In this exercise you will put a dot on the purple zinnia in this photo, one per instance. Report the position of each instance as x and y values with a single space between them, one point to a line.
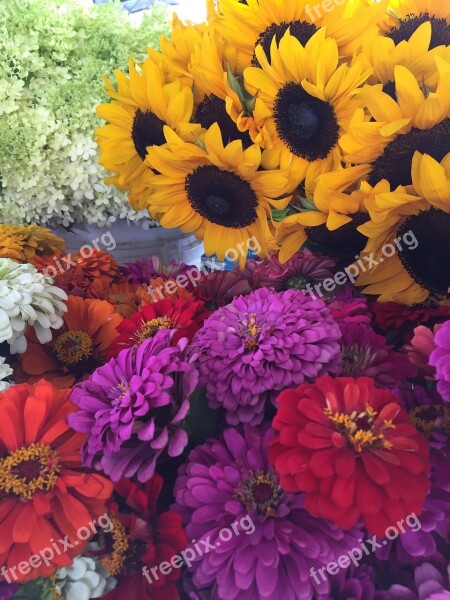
440 358
146 269
132 408
430 584
359 584
230 482
261 344
7 590
296 273
366 354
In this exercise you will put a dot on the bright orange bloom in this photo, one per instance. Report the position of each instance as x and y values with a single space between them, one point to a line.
125 297
77 349
46 493
77 273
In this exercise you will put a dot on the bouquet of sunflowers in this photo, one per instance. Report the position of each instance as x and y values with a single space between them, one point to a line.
280 429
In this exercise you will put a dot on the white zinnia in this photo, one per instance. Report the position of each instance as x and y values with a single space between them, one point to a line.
5 371
86 578
28 297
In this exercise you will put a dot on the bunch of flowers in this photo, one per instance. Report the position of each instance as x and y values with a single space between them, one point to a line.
301 423
279 430
287 123
52 58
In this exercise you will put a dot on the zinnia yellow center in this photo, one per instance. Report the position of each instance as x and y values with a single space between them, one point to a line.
113 563
358 429
28 470
430 419
73 347
250 332
150 328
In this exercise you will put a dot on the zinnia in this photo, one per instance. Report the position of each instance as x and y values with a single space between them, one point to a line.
276 544
440 358
45 492
261 343
183 316
143 538
133 407
78 347
350 448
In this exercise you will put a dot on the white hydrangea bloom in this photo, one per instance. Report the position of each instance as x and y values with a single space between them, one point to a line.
5 371
28 297
86 578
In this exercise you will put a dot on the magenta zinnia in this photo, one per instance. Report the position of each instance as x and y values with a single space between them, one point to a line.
263 343
133 408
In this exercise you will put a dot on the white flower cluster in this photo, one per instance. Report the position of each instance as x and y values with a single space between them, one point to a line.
28 297
5 371
86 578
52 59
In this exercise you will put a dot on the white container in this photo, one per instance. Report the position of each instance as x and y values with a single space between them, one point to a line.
128 242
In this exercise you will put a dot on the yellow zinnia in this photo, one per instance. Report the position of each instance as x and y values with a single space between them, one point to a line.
142 104
22 242
218 192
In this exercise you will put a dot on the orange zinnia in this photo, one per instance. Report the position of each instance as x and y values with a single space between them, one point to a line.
46 495
78 273
77 349
124 296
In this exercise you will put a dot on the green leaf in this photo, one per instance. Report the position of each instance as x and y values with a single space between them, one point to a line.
278 214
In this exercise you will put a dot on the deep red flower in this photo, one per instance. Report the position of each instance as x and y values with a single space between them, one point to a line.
390 315
350 448
186 316
220 287
142 538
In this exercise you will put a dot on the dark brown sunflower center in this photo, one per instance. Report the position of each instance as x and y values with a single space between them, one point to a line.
389 89
73 347
221 197
429 263
307 125
346 239
394 164
212 110
260 492
147 131
440 29
301 30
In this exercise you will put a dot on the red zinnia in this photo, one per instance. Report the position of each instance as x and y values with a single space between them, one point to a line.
350 448
389 315
186 316
45 491
143 538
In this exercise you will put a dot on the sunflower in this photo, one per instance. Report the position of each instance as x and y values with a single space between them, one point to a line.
384 54
217 192
212 63
143 103
416 221
404 17
256 22
333 222
305 101
78 347
386 139
22 242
